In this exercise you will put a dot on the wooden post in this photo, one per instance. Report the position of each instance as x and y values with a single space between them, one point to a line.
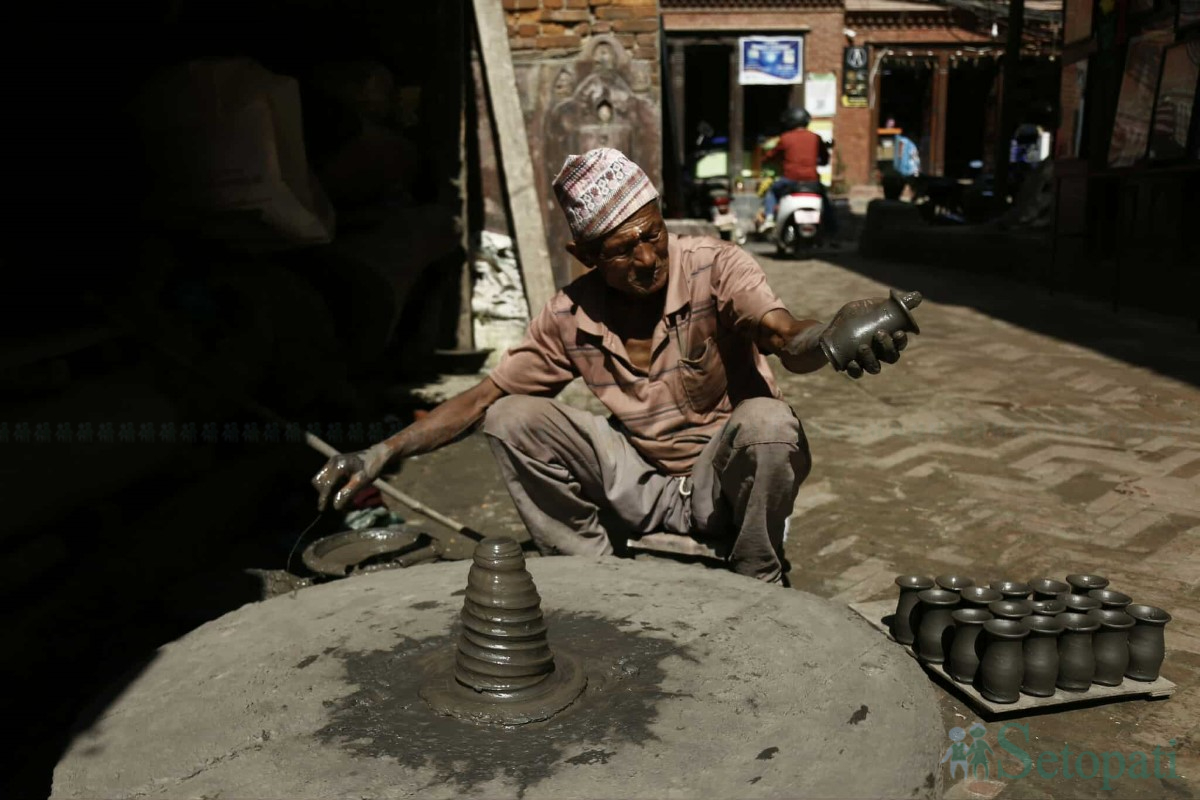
737 115
678 61
797 98
1012 63
464 336
524 203
876 83
941 100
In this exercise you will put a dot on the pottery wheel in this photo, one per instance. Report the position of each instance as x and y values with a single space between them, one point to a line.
700 683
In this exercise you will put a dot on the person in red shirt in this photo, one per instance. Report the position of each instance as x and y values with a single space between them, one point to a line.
801 151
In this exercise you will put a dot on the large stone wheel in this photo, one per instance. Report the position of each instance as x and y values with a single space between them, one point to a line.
700 684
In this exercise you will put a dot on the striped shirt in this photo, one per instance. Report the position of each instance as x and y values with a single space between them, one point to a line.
703 359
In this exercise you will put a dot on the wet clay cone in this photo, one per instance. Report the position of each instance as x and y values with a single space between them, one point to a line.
503 646
504 671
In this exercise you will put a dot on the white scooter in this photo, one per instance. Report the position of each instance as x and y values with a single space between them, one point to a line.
798 220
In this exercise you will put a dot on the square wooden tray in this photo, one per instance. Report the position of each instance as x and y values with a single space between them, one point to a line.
878 612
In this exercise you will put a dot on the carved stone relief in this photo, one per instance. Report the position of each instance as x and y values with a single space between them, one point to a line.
601 98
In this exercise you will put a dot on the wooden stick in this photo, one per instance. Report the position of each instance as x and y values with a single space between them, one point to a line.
524 203
325 449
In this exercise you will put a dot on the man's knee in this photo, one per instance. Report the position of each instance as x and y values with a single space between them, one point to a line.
768 425
513 418
764 420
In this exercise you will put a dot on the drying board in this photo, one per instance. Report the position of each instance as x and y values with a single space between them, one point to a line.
877 612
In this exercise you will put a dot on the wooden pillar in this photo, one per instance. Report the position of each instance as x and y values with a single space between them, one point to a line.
523 201
797 98
992 123
874 93
940 106
737 121
1012 63
678 69
465 330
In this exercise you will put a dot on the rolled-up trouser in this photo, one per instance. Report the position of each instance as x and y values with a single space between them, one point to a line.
580 485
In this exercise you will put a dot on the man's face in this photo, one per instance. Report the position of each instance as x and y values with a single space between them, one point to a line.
634 256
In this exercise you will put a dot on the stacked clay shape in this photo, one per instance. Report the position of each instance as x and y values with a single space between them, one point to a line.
504 671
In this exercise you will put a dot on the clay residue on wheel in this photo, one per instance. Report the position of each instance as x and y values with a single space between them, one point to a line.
342 553
385 716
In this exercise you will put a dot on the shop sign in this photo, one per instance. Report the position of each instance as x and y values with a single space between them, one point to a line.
855 77
771 60
820 94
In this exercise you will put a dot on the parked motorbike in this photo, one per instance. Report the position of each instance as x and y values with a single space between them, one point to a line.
966 200
798 220
725 217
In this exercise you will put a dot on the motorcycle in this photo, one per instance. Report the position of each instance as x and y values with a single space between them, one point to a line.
798 220
725 218
708 188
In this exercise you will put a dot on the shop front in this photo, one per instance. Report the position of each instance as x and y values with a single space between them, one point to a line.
1127 166
868 71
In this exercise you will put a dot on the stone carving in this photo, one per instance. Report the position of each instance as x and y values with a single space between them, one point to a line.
602 99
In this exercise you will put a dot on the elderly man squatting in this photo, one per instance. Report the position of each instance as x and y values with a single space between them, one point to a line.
671 334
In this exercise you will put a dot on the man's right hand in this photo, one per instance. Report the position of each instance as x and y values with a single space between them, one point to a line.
453 418
356 470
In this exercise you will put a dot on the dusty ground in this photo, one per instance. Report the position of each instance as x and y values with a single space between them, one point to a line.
1022 435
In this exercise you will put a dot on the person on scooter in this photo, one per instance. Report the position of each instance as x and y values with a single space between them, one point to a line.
802 151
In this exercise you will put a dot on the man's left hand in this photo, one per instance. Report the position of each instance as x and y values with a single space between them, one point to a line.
862 336
883 347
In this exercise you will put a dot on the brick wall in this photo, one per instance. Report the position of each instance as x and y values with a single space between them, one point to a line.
563 25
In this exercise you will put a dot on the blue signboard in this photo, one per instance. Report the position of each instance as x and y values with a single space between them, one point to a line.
772 60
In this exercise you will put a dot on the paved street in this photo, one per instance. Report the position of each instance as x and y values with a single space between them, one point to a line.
1022 435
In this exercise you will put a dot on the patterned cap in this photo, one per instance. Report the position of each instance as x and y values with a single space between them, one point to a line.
599 190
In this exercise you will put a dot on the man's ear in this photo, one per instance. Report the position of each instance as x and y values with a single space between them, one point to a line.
581 254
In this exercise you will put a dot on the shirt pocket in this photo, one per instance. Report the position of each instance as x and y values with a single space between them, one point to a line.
703 378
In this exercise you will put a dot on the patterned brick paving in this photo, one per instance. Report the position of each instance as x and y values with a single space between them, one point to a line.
996 451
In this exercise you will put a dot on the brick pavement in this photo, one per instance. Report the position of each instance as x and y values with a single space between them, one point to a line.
995 450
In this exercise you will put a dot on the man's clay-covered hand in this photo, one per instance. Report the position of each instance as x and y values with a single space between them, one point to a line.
357 470
867 333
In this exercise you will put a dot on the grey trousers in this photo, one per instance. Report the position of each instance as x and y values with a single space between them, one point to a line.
579 485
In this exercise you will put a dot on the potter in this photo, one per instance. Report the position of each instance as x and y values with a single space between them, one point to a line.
672 335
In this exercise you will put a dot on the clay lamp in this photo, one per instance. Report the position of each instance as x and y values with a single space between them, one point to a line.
1012 590
1049 589
1082 584
1080 603
1048 608
1115 601
954 583
1010 609
979 596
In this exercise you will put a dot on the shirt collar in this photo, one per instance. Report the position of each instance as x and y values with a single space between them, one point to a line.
679 284
589 303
